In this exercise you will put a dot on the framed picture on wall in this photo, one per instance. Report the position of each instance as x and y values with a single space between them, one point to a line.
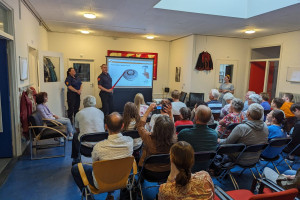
177 74
23 62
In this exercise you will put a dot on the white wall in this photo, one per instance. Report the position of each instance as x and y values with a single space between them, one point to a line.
290 48
28 32
184 52
95 47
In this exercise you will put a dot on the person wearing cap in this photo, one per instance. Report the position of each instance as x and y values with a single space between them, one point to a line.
224 88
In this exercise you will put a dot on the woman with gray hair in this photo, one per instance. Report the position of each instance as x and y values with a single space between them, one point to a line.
225 110
235 116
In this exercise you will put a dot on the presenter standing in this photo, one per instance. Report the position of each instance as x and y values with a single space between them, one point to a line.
74 85
105 85
224 88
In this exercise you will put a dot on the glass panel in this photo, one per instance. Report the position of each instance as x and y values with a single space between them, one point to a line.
272 78
51 69
82 71
3 20
225 69
265 53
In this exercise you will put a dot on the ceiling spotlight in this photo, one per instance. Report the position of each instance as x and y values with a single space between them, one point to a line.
85 32
250 31
150 37
89 15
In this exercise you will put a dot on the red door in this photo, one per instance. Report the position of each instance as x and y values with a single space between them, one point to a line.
257 76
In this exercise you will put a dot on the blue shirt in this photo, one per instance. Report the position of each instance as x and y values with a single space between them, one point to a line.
266 105
215 106
75 82
105 81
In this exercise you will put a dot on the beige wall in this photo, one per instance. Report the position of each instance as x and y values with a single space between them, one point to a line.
184 52
290 48
95 47
27 32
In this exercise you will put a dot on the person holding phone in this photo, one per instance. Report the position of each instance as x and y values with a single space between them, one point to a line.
165 109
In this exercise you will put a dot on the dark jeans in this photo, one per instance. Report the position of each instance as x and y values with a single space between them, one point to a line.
107 102
77 178
73 100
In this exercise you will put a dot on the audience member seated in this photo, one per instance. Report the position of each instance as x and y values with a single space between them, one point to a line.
277 103
254 131
225 110
116 146
185 115
181 183
275 129
254 98
159 141
88 120
44 111
166 109
176 104
265 98
290 117
247 99
214 104
295 108
211 121
131 118
201 137
236 116
140 103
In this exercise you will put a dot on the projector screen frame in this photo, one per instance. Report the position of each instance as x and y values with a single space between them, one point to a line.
107 57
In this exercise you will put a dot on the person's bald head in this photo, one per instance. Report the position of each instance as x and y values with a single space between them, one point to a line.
114 122
203 114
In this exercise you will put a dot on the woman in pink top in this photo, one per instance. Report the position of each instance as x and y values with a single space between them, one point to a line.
140 104
185 115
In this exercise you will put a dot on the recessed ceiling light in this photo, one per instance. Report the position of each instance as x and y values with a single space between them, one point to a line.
89 15
85 32
150 37
250 31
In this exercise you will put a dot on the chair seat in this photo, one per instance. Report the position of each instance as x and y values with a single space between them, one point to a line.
49 133
270 159
240 194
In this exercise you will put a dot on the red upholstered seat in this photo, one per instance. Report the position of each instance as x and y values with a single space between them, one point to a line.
283 195
240 194
267 191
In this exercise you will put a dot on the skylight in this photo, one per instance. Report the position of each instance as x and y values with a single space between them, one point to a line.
229 8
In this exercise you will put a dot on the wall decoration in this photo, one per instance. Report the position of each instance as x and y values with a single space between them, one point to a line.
177 74
293 74
137 55
23 62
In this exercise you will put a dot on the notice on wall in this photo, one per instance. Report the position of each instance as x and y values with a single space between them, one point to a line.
1 125
293 74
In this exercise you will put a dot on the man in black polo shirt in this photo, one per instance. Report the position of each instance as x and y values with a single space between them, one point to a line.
105 85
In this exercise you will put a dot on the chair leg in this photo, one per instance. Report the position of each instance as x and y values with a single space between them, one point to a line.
288 164
275 167
258 172
252 173
235 184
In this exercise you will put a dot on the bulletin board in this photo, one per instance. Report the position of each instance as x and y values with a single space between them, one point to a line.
293 74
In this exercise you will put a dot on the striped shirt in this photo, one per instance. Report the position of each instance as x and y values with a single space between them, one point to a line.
215 106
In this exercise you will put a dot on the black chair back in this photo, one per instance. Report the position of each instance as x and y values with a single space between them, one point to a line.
230 148
157 159
90 137
203 160
275 147
133 134
255 148
251 149
180 127
279 142
231 126
212 126
194 98
182 96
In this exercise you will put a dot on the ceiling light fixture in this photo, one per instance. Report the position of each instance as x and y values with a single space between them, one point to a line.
150 37
85 32
250 31
89 15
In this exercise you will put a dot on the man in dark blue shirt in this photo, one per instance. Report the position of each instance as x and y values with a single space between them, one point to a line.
105 85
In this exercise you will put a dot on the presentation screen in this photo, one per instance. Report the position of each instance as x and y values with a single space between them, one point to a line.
135 72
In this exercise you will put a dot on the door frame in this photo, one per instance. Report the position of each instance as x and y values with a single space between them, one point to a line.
235 64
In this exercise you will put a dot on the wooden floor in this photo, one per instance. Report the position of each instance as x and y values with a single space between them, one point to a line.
49 179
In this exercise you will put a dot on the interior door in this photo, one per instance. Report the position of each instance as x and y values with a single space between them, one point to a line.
51 80
85 70
257 76
5 119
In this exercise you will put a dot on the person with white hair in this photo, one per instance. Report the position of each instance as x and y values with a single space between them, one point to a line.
214 104
254 131
247 99
225 110
88 120
254 98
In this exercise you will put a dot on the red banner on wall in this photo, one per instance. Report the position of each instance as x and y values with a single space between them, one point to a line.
136 55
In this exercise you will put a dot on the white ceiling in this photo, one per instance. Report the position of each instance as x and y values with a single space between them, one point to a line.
137 18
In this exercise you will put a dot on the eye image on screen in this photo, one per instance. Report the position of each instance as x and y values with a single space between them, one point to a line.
134 72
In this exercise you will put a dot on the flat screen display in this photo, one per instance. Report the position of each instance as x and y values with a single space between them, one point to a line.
135 72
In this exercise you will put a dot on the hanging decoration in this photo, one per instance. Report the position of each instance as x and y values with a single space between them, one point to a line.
204 61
